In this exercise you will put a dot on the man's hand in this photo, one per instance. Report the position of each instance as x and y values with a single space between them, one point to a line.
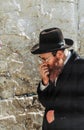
50 116
44 72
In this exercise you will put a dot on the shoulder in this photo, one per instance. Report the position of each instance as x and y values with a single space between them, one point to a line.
79 60
79 64
76 57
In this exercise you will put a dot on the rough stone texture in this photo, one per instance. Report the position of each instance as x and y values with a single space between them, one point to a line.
81 27
20 24
24 113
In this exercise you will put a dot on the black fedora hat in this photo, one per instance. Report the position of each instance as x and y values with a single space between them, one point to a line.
51 40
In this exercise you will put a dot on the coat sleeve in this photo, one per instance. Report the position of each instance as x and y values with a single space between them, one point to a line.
46 96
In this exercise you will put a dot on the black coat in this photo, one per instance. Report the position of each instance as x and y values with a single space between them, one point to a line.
66 98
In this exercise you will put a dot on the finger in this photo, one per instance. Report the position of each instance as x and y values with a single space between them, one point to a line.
44 68
45 72
43 64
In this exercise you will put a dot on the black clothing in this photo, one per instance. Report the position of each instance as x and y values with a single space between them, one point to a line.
66 98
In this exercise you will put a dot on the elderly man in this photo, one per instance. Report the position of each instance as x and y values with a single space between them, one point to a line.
61 90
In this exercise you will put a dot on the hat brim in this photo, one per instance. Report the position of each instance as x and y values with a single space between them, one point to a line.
36 50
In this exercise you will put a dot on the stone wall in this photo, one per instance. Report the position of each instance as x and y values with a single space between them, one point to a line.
81 25
20 24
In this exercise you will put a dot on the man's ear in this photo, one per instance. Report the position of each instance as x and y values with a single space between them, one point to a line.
60 54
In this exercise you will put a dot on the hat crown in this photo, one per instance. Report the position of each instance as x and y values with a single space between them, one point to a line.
50 38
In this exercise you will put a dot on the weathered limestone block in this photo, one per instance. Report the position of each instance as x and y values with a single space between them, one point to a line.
21 114
30 121
20 64
11 122
81 27
15 84
34 120
20 105
14 75
6 88
7 122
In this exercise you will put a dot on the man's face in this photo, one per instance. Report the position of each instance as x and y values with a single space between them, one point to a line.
53 62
